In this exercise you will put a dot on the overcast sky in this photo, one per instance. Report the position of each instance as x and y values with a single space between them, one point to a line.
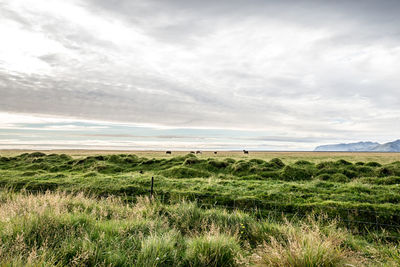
182 74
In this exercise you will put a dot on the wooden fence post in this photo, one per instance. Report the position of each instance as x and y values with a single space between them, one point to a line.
152 186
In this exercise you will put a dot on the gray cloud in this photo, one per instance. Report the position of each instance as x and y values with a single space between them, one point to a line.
316 68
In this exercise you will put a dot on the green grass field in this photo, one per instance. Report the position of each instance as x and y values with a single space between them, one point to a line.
356 194
287 157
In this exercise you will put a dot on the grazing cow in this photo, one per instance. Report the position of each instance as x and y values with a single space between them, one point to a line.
141 172
215 152
245 151
192 152
198 152
168 152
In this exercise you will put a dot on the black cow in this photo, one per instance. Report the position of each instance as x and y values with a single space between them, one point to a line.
168 152
245 151
215 152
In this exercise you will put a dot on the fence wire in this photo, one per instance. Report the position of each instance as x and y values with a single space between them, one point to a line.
277 209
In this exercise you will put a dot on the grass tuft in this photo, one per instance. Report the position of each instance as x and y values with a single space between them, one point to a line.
212 250
308 245
159 250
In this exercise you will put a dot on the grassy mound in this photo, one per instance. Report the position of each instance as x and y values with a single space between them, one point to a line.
290 173
184 172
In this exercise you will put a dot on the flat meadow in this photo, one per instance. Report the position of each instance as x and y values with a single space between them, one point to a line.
94 208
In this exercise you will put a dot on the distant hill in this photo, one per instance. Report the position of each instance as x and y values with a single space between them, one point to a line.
362 147
389 147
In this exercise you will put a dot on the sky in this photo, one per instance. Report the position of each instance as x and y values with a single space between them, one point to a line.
186 74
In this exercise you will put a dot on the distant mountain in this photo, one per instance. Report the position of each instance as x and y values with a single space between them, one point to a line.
360 146
389 147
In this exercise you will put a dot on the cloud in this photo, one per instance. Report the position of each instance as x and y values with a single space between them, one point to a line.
286 68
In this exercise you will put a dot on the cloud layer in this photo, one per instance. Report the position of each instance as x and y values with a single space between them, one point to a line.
287 69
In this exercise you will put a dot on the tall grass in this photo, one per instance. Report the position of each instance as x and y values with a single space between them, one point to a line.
159 250
213 249
309 245
63 229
